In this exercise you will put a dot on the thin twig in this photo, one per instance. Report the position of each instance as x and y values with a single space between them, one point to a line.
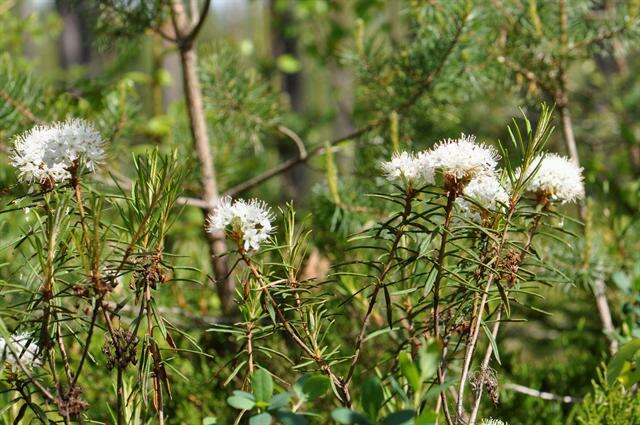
541 394
423 86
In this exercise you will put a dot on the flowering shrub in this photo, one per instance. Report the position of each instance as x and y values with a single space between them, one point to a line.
443 265
237 255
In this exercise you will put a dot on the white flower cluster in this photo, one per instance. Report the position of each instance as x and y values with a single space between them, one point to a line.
249 220
492 421
463 158
487 191
460 159
408 167
24 347
556 177
48 152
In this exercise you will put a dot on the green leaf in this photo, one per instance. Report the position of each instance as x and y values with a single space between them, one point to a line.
288 64
403 417
241 403
427 417
622 363
505 299
410 371
261 419
279 401
290 418
209 420
389 306
429 359
262 385
372 397
342 415
622 281
492 341
315 386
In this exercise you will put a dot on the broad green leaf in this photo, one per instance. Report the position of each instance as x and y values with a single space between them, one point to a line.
279 401
403 417
261 419
342 415
622 362
427 417
209 420
429 359
372 397
315 386
241 403
290 418
262 385
410 371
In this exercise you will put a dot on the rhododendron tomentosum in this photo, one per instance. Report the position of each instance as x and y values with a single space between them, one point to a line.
555 177
49 153
410 168
248 221
487 191
21 347
463 158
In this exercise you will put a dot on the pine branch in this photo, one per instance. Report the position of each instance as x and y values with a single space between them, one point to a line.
423 87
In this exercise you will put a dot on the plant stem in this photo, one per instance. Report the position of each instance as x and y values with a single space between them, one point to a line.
120 397
485 363
119 382
409 196
496 326
325 367
477 320
451 197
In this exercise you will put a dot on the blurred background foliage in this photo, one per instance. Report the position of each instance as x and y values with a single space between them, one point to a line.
409 73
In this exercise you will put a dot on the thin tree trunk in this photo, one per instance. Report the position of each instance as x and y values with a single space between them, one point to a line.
283 43
74 44
562 99
599 286
193 96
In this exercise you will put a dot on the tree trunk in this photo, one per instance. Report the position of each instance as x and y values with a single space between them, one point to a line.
193 97
74 44
283 43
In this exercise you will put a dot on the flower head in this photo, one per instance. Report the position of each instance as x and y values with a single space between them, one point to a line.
463 158
556 177
492 421
22 346
409 167
50 152
248 220
487 191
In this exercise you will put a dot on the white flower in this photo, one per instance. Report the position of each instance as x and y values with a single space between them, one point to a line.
409 167
556 177
463 158
491 421
487 191
24 347
222 214
48 152
250 220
